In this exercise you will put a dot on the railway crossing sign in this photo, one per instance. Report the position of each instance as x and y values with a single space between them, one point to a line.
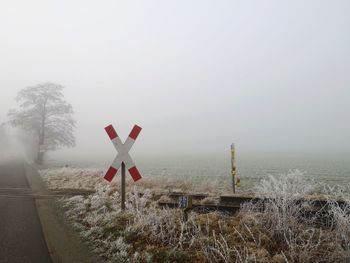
123 155
123 158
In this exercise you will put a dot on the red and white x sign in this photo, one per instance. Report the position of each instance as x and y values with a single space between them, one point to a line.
123 153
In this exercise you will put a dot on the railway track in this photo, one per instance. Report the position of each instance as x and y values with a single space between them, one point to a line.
232 203
27 192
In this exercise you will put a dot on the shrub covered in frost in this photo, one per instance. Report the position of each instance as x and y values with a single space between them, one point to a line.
285 218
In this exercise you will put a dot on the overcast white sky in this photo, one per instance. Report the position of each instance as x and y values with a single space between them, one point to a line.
196 75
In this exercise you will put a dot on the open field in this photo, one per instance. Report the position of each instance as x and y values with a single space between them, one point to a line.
275 233
331 169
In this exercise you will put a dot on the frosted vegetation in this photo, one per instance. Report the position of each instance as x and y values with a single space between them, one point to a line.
91 178
276 230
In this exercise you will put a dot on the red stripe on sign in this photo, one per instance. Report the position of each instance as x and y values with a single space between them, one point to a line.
110 174
135 132
111 132
135 174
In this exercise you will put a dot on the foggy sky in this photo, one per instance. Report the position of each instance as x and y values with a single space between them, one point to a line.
271 76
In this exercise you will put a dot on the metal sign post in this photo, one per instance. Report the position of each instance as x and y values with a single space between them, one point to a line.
123 158
123 186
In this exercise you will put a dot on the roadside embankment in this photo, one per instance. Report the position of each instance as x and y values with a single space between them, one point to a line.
63 242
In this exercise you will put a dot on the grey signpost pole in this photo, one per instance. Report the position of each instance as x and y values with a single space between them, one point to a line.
233 167
123 186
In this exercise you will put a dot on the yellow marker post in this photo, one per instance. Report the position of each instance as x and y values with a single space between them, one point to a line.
233 167
238 182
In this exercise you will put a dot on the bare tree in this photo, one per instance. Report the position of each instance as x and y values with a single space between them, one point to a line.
46 115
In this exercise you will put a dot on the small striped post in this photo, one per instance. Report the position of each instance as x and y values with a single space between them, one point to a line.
233 167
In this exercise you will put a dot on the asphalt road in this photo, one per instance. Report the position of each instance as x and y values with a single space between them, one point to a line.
21 236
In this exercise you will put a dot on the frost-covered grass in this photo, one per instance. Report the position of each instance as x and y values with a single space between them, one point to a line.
292 229
278 230
90 179
71 178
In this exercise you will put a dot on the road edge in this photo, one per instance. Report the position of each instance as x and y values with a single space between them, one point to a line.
63 242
